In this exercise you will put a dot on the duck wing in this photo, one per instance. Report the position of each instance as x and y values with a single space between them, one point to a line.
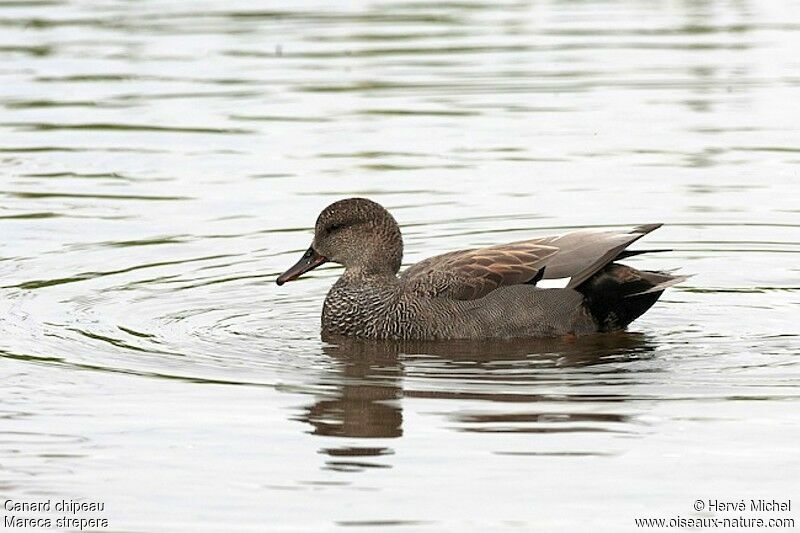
582 253
471 274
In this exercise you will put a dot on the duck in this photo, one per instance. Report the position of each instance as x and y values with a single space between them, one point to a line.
484 293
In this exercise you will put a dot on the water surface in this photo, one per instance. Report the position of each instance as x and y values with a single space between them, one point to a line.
162 162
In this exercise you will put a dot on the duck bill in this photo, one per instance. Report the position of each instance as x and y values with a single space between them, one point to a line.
310 260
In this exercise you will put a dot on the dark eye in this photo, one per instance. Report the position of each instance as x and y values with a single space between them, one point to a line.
335 227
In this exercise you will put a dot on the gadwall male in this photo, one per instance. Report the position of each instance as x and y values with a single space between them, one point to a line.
480 293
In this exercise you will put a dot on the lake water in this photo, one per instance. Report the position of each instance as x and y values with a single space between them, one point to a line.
162 162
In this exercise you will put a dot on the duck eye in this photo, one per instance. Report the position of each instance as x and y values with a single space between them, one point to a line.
335 227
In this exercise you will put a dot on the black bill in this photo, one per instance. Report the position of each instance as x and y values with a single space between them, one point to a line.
309 261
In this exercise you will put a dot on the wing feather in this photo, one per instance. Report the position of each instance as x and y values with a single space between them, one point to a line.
471 274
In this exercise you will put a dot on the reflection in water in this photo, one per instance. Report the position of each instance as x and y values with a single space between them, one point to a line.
365 399
567 351
364 387
363 402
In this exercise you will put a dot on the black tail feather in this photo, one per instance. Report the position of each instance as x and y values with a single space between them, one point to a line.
618 294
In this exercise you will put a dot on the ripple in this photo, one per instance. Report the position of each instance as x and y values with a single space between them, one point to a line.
42 283
44 126
137 197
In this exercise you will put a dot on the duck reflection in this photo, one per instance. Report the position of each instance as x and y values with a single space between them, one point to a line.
366 382
365 394
568 351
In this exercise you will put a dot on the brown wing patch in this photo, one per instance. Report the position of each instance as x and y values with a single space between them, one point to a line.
471 274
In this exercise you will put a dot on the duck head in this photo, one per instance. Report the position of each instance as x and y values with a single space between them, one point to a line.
357 233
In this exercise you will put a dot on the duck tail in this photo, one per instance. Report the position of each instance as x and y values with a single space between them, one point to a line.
617 295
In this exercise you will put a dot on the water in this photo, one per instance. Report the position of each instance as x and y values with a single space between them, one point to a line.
162 162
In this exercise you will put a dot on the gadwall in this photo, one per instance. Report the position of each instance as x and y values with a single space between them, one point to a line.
480 293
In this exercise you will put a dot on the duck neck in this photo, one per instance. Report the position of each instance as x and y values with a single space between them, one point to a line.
360 303
379 263
358 274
